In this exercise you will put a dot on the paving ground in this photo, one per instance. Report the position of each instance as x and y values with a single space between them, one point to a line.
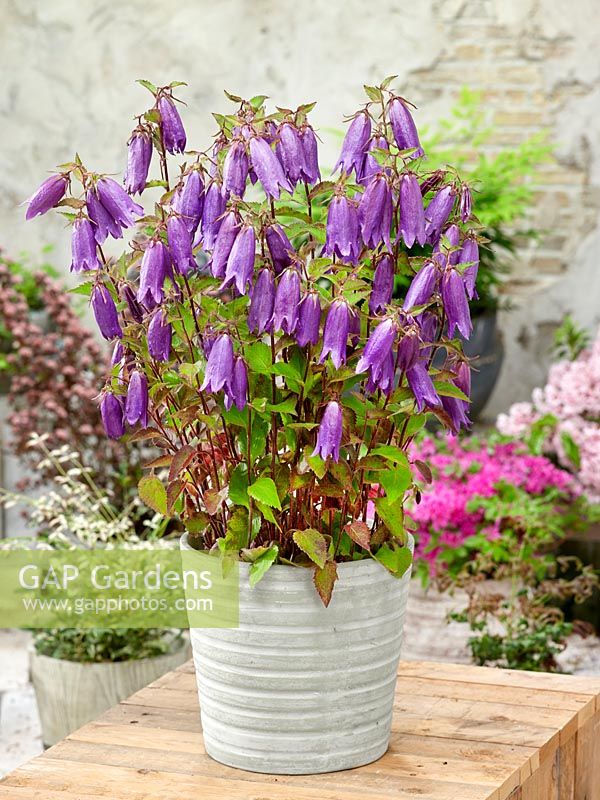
426 637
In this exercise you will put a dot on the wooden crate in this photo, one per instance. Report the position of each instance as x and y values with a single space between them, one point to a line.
459 733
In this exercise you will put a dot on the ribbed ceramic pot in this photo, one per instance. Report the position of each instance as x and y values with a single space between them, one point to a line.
299 688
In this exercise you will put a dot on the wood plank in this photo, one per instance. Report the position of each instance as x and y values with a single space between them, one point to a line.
587 761
566 769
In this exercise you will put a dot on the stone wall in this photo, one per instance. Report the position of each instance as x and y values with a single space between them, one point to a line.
69 68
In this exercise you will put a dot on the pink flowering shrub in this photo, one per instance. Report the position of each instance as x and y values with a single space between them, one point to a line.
563 418
463 471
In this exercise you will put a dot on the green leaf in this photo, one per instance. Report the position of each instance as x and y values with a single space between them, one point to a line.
147 85
373 93
313 543
324 580
262 564
392 515
395 559
257 101
316 463
236 537
360 533
84 289
447 389
238 486
258 356
265 491
395 481
571 449
153 494
391 453
266 512
286 407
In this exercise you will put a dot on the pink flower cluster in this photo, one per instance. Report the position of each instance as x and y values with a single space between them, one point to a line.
572 396
462 470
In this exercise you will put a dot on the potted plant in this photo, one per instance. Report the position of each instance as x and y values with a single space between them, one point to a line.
284 386
78 673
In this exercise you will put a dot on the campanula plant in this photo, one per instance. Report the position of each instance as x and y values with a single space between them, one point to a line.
257 341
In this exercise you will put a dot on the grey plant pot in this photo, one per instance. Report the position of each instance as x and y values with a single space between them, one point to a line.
299 688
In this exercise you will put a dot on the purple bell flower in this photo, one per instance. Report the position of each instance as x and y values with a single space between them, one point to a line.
441 253
287 300
235 169
189 200
465 203
470 255
422 287
463 378
370 166
47 196
310 167
291 152
355 144
180 245
111 412
171 126
83 246
153 272
378 347
383 379
105 312
139 156
456 305
117 202
280 247
136 403
342 230
117 354
412 213
268 168
219 366
404 128
335 333
212 213
236 391
101 219
329 435
228 232
132 304
309 320
383 285
422 386
375 213
240 263
437 213
408 350
457 410
428 324
260 312
160 335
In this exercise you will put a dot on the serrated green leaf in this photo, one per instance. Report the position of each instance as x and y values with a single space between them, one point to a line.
447 389
313 543
265 491
153 494
324 580
258 357
147 85
395 559
373 93
238 486
392 515
262 564
395 481
84 289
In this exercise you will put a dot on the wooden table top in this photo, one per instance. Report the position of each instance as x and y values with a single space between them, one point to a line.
459 732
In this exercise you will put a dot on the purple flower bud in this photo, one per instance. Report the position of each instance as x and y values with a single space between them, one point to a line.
268 168
219 367
422 287
117 354
375 213
47 196
432 181
189 199
171 126
132 304
139 156
105 312
335 333
437 213
212 214
355 144
309 320
261 305
378 347
235 169
404 128
310 168
329 435
153 272
136 403
224 242
422 386
180 245
287 300
83 246
465 203
111 412
236 391
292 152
102 220
342 230
160 334
117 202
455 302
370 166
240 263
470 255
280 247
408 350
463 378
383 285
412 213
457 410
